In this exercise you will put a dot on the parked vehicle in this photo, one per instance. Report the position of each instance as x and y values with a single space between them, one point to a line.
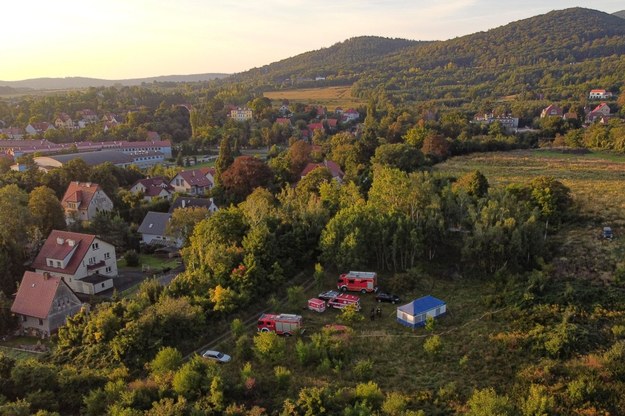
607 233
387 297
363 282
343 299
317 305
282 324
220 357
329 294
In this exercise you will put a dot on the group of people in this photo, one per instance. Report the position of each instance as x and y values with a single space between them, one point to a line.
376 312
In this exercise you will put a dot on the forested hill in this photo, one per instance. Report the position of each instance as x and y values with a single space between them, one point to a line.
570 35
347 58
557 55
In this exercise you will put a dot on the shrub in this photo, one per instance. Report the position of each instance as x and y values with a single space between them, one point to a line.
269 346
350 314
433 345
369 392
364 368
618 331
132 258
395 404
283 376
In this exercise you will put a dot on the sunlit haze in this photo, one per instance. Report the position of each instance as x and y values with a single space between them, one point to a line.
120 39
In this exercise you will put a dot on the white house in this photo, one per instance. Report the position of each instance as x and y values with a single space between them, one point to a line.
85 262
153 230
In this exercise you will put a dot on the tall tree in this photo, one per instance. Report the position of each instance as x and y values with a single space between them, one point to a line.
243 176
45 210
225 158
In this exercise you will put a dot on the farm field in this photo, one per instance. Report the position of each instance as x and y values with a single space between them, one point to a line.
331 97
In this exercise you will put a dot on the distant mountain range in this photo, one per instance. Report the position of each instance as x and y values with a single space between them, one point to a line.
8 87
620 14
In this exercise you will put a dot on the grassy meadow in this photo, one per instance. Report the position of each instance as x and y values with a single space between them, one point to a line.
330 97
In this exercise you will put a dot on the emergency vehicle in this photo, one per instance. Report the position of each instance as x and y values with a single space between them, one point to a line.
282 324
317 305
343 300
363 282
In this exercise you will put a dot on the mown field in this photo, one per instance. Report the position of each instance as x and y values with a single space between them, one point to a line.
330 97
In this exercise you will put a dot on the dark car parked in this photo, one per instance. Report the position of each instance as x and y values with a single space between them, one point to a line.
387 297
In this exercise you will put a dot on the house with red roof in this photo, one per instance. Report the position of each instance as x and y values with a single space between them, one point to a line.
552 111
332 123
38 128
600 112
194 182
64 121
316 126
88 116
333 167
86 263
284 120
350 115
43 303
83 200
599 95
157 187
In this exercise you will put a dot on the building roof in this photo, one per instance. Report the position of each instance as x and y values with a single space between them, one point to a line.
333 167
82 192
186 202
93 158
154 186
35 294
154 223
196 177
421 305
599 107
57 243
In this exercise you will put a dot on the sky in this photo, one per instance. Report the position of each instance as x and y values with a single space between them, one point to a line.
121 39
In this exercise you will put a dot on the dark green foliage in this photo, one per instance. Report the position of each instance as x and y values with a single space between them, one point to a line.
132 258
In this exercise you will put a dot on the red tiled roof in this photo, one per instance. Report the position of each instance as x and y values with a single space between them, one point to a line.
332 122
315 126
195 177
333 167
53 248
598 91
35 295
599 107
82 192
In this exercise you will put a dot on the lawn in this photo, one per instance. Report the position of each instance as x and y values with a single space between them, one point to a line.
331 97
150 262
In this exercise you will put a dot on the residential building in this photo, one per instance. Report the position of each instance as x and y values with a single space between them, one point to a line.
86 263
194 182
241 114
43 303
153 188
64 121
350 115
333 167
38 128
599 95
507 122
141 159
600 112
551 111
153 230
13 133
83 201
188 202
88 116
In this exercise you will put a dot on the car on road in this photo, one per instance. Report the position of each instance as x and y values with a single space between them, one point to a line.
217 356
387 297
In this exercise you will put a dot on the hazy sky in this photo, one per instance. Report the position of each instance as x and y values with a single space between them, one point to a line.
116 39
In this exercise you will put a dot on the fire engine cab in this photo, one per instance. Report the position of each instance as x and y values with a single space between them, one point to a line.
283 324
362 282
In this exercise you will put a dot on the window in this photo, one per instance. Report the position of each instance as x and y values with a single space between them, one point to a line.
107 256
102 285
95 246
91 260
50 263
58 264
108 270
24 318
41 322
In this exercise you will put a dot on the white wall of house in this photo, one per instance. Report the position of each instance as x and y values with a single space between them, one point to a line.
99 202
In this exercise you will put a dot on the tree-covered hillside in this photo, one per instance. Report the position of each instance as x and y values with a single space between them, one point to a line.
345 59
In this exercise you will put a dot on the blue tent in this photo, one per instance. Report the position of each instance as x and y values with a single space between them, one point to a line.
414 314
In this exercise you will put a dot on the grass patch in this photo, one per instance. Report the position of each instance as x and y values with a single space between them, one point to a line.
16 354
153 262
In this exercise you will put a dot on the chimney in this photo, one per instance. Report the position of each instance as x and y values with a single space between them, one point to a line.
46 275
60 240
71 243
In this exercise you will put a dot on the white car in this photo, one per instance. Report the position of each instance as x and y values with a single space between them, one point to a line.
220 357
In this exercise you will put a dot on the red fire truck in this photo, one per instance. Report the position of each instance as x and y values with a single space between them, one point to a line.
283 324
362 282
343 300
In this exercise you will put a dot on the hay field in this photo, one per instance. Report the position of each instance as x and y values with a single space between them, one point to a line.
331 97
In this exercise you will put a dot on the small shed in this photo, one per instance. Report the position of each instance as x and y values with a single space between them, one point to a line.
414 314
318 305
